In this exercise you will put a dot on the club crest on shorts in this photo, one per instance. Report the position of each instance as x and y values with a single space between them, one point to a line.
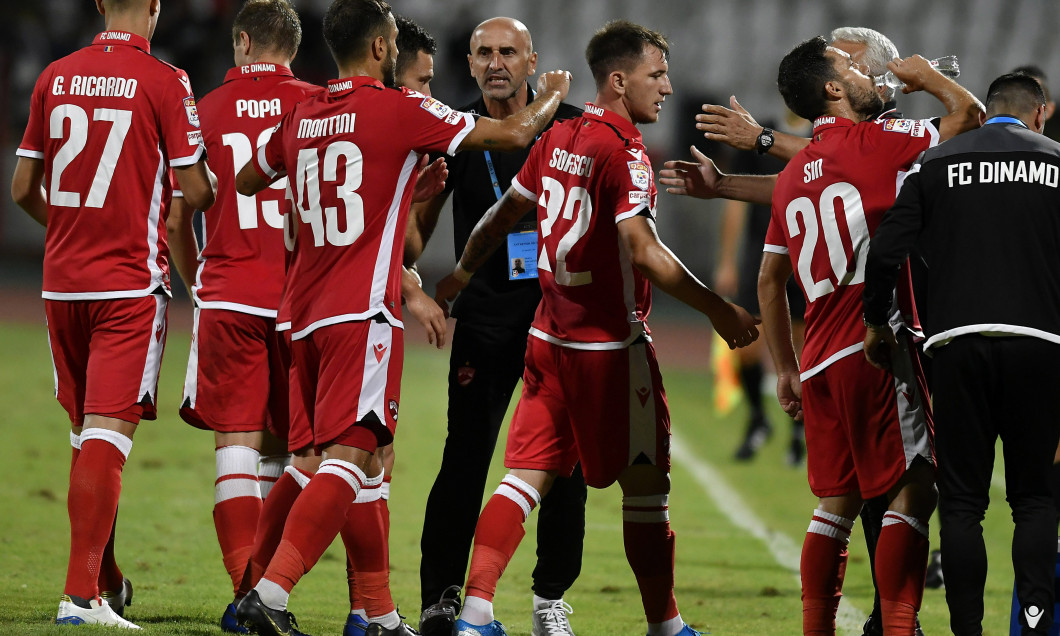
393 406
640 174
464 375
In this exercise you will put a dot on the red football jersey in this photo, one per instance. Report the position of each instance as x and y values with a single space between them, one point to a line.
351 157
241 267
586 175
106 121
827 203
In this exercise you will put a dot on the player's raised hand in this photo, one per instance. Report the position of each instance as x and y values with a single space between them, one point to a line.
735 325
731 126
428 314
697 178
789 394
430 180
913 71
554 81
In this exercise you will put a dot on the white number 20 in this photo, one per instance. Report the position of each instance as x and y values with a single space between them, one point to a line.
575 205
854 211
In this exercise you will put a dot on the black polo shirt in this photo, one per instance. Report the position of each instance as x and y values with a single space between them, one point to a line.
490 297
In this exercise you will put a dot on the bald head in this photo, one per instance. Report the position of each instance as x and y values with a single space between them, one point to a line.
501 58
510 27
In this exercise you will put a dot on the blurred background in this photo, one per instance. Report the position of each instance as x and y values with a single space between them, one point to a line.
718 48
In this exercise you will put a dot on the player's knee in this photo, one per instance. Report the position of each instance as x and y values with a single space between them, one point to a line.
643 480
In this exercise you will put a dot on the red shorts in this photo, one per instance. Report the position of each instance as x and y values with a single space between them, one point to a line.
864 426
349 373
236 380
299 433
106 355
606 409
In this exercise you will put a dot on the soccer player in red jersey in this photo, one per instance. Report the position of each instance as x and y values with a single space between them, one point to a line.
352 156
105 124
236 382
592 390
868 431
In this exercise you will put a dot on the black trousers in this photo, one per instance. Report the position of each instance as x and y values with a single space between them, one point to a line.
485 365
986 387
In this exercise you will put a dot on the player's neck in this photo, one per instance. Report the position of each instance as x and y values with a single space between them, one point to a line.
501 108
361 69
139 24
615 104
270 58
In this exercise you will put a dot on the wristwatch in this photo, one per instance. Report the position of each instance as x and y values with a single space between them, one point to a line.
764 141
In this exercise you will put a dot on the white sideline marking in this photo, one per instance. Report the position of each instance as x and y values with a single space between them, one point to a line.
785 551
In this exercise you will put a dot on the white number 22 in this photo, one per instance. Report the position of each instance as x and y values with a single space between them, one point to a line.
558 203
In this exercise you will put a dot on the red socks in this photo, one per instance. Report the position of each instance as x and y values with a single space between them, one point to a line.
498 533
824 564
649 544
315 519
274 512
901 563
237 505
111 578
368 555
95 485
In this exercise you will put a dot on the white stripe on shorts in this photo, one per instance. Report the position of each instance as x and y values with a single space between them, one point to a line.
642 426
373 382
149 381
191 376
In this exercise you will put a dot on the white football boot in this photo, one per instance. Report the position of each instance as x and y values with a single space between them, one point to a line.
97 613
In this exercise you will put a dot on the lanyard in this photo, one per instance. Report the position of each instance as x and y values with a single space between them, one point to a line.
493 175
489 161
1004 119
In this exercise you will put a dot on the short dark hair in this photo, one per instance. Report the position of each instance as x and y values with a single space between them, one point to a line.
1014 93
802 76
350 25
1037 73
411 39
273 24
619 45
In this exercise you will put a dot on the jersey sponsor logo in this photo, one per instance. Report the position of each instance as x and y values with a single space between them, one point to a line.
918 128
640 174
256 108
194 137
637 154
416 94
464 375
435 107
904 126
636 197
192 111
592 109
577 165
186 83
452 118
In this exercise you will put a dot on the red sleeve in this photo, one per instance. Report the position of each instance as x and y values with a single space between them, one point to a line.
434 126
268 159
776 237
629 176
180 122
32 145
903 139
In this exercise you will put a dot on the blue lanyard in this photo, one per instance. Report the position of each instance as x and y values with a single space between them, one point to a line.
1004 119
493 175
489 162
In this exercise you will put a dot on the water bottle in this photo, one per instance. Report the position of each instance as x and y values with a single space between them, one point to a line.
947 65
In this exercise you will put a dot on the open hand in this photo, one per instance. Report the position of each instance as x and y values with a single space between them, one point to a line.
430 179
731 126
698 179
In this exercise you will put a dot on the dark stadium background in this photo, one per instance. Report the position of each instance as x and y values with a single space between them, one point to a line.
720 47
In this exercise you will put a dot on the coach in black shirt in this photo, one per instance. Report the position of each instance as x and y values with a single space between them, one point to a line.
987 206
493 316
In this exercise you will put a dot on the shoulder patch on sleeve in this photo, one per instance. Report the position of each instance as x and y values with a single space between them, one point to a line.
435 107
191 110
905 126
640 174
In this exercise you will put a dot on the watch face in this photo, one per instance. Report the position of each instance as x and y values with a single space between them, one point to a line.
765 140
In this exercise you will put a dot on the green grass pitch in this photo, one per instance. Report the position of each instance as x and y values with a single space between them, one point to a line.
738 525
